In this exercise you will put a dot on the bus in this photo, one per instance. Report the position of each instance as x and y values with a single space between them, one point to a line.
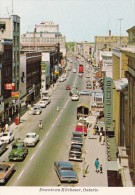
81 68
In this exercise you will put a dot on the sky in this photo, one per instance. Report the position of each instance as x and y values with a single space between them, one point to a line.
79 20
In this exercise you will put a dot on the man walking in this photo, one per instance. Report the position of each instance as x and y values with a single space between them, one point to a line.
97 165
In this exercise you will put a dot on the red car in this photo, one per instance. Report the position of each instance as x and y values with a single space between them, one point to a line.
67 87
81 128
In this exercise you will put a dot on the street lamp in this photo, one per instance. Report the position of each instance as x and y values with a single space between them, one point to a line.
83 144
120 19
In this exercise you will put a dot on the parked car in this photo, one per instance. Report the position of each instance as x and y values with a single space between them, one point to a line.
65 171
75 152
6 170
46 93
75 97
7 137
82 129
77 140
85 92
3 147
31 139
46 99
77 134
43 104
61 79
37 110
19 151
67 87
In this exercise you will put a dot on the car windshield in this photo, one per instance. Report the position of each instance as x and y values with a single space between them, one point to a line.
17 146
30 136
66 169
5 134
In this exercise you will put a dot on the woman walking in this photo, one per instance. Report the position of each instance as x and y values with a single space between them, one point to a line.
97 165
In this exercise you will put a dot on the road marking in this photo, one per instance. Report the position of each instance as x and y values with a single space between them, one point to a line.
20 175
47 133
32 156
40 144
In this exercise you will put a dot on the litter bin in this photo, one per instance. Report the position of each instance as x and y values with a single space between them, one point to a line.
16 120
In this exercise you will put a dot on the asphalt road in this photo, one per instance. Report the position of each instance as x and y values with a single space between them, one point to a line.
37 169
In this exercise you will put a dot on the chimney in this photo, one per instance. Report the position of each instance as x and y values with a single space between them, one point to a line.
109 33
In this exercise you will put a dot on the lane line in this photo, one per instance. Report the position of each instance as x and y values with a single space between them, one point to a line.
20 175
32 156
40 144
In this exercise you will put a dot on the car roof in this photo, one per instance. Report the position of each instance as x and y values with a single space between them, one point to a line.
31 133
77 133
76 146
64 164
37 106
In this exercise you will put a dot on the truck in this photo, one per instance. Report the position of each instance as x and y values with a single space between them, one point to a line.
82 110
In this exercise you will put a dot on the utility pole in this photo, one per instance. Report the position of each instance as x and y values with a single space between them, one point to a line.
120 19
12 6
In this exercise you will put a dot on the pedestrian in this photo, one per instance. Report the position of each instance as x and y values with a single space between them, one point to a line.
6 127
97 165
101 169
100 136
103 138
97 130
40 125
0 128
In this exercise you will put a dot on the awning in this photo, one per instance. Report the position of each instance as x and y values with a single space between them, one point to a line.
112 166
121 84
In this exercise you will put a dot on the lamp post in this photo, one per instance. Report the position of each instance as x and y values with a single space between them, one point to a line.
120 19
83 145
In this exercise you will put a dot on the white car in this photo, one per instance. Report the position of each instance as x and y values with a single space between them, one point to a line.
37 110
43 104
61 79
74 97
46 99
7 137
74 70
31 139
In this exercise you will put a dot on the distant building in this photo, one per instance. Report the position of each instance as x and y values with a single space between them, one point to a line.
85 49
44 36
107 43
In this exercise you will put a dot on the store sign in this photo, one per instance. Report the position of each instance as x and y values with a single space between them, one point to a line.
15 94
9 86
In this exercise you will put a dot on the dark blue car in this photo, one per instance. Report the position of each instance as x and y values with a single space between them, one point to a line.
65 171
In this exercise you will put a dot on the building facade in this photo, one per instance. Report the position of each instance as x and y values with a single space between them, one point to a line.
6 49
107 43
130 131
10 29
30 71
86 49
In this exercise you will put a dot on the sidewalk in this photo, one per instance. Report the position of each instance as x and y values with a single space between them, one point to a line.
94 150
26 115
